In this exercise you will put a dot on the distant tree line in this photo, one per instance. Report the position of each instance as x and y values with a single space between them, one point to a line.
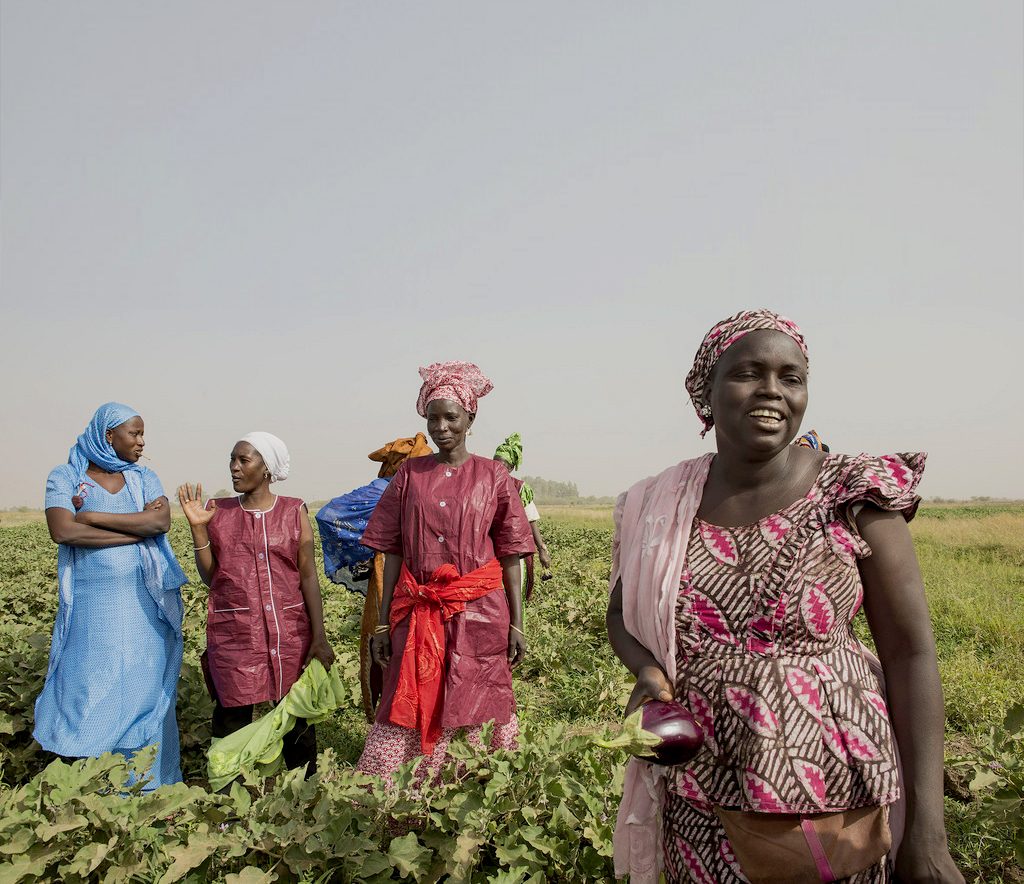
564 493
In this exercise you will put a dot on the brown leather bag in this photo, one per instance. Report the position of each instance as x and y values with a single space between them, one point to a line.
786 848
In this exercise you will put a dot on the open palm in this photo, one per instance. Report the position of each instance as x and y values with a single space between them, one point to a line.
191 500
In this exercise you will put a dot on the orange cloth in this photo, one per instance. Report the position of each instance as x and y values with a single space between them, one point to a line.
391 456
371 677
419 696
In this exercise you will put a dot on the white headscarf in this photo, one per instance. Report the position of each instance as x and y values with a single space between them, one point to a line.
274 453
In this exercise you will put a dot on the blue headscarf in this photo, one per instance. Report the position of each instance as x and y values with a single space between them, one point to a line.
160 568
93 446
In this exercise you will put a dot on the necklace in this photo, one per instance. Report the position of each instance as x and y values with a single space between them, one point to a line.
257 509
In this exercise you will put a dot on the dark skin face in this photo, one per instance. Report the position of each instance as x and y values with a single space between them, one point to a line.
759 394
248 471
447 425
128 439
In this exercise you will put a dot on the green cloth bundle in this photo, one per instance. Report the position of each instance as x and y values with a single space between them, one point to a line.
511 451
315 695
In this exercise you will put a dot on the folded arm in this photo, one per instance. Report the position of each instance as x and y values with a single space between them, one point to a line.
155 519
67 529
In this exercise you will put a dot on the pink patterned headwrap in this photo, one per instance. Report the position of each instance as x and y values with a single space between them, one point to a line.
462 382
721 337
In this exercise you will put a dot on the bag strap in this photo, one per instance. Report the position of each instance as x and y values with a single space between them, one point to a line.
817 851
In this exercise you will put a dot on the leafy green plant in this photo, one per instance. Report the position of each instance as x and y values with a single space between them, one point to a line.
538 814
998 780
544 812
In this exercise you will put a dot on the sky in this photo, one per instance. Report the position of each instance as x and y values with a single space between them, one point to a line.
253 215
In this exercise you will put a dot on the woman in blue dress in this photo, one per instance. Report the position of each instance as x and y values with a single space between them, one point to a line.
115 657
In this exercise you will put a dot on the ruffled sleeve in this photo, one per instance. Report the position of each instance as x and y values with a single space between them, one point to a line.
888 483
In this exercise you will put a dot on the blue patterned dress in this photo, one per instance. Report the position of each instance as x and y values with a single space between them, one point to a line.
115 657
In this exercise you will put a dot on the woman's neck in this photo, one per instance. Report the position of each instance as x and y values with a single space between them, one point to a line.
260 499
741 472
455 458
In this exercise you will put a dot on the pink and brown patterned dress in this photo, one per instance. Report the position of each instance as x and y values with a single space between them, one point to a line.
768 663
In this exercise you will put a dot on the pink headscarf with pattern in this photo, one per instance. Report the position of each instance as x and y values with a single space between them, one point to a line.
721 337
462 382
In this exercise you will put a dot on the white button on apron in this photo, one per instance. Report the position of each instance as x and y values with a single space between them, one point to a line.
440 538
442 503
257 515
273 652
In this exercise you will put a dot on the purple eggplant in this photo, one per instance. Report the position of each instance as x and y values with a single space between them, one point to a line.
681 736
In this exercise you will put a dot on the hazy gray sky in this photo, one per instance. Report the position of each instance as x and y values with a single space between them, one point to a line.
251 215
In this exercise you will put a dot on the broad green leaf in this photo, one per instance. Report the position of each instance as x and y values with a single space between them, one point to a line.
251 875
631 737
983 779
1013 724
189 856
408 856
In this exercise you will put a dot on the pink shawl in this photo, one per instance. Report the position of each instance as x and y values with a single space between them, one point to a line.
652 528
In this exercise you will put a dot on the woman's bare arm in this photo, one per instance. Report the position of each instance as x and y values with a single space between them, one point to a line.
155 519
380 643
191 500
897 612
310 584
65 528
512 580
651 681
542 547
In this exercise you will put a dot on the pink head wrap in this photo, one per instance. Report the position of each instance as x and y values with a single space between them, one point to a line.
462 382
721 337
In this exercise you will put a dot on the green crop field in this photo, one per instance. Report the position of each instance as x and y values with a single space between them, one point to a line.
544 813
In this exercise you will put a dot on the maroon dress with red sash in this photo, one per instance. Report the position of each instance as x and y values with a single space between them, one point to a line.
433 515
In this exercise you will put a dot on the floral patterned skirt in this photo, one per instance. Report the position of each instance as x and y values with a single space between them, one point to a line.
389 746
697 849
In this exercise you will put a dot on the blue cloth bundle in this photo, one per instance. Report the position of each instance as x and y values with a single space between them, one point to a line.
342 522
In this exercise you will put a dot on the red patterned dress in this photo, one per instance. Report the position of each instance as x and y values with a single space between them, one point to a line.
435 514
768 663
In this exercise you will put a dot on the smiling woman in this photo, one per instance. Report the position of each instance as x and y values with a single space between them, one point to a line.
735 580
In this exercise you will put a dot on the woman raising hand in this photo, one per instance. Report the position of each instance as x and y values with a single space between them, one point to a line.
265 613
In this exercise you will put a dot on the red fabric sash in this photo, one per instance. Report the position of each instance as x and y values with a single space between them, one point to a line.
419 695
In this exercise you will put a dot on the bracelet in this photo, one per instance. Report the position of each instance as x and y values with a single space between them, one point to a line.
517 629
381 628
198 548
